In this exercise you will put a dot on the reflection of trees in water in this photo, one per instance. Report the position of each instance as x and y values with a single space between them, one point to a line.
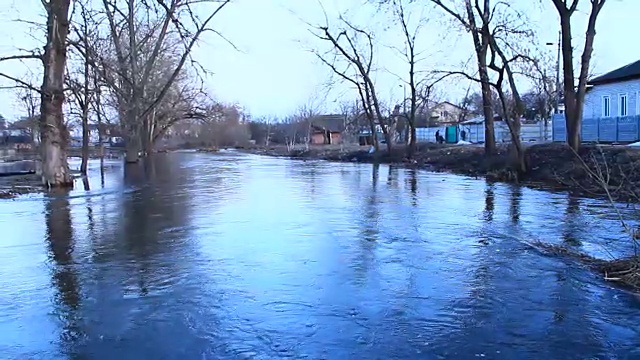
571 223
375 175
413 186
489 202
392 176
514 206
65 280
307 170
160 203
368 227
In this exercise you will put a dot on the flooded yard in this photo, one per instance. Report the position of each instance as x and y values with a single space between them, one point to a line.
216 256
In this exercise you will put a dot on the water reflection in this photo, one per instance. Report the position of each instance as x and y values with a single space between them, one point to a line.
392 176
489 199
413 186
514 207
201 256
60 244
571 222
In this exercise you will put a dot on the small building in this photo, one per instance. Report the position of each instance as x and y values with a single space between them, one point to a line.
327 129
614 94
445 113
611 111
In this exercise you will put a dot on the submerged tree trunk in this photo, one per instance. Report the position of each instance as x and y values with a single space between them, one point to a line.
132 145
53 133
132 149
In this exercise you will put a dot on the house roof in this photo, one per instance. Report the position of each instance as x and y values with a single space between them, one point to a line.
447 102
628 72
332 123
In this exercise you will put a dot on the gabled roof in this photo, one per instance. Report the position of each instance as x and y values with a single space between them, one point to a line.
447 102
332 123
627 72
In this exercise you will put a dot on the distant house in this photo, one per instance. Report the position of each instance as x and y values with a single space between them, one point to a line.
108 132
445 113
614 94
327 129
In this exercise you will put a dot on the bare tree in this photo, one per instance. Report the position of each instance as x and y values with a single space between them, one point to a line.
411 55
358 69
141 32
480 35
53 133
504 28
574 96
80 83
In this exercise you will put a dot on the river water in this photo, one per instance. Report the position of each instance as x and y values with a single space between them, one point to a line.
233 256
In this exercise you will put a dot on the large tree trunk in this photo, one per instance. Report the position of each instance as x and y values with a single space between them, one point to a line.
53 133
132 135
132 149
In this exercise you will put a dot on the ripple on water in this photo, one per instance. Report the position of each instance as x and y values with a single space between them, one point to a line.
238 256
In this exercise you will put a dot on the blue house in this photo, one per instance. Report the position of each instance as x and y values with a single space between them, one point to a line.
611 110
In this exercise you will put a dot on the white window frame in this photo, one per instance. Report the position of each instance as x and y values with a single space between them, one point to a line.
606 113
626 105
638 103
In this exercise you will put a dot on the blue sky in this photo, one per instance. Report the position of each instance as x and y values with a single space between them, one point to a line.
274 73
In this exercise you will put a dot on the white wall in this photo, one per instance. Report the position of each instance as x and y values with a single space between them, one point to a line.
593 98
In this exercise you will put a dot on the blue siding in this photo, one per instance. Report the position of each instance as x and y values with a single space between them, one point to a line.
609 129
559 128
613 128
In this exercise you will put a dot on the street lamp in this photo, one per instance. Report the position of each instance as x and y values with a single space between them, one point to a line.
557 102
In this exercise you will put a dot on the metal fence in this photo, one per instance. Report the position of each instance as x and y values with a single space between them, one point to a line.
605 130
538 132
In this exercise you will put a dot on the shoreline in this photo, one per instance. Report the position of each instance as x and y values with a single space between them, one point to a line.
551 166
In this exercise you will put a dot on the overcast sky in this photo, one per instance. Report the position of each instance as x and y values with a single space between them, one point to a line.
273 72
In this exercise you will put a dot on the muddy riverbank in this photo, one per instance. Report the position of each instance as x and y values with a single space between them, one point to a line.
553 166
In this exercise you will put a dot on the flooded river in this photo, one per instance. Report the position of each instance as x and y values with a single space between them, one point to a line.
231 256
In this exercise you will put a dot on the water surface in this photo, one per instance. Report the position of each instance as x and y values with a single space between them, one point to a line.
202 256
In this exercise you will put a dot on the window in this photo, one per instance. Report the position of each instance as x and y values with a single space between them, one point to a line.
638 103
622 105
606 106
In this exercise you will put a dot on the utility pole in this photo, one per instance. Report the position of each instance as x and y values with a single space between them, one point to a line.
558 73
557 94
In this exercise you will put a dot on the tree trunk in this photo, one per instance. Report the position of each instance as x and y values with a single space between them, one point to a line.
388 139
412 141
55 169
132 149
85 140
481 44
487 109
132 135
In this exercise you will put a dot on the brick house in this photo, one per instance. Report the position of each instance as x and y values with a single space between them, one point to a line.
326 129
